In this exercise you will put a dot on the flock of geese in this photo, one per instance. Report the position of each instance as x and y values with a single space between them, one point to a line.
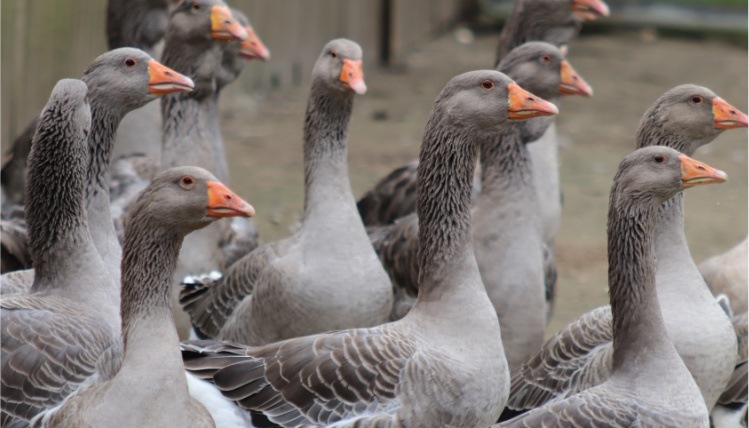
422 305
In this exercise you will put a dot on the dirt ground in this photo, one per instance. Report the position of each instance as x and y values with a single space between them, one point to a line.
628 71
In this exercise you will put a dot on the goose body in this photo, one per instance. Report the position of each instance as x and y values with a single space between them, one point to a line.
78 286
67 311
326 276
728 273
698 327
649 384
443 363
147 385
507 239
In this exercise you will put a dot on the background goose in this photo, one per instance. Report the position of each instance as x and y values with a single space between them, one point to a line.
193 45
71 312
118 81
728 273
131 174
442 364
508 243
326 276
554 21
649 384
684 118
147 387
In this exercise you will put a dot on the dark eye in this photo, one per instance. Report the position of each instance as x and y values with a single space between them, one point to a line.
659 159
696 99
195 6
487 84
333 54
130 62
187 181
546 59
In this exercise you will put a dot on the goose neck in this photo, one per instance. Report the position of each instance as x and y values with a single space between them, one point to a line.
326 179
446 165
148 263
504 164
639 330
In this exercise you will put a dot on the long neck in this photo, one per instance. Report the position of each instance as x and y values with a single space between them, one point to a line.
191 130
504 165
326 177
445 174
639 331
148 264
105 119
55 212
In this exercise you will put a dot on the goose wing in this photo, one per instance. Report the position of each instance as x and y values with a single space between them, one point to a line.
319 379
211 303
47 352
576 358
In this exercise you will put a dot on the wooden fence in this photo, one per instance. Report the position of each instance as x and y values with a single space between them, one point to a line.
46 40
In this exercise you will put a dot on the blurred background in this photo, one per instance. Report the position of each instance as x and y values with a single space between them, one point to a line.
411 49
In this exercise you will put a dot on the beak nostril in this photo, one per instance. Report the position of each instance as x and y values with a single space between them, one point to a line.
733 111
701 168
228 197
168 73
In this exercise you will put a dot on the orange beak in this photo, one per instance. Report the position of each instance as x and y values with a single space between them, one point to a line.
727 116
164 80
695 173
590 10
222 202
352 76
524 105
253 48
572 83
224 27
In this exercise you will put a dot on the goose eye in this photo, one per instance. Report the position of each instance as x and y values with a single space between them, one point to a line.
187 182
195 6
333 54
546 59
696 99
659 159
130 62
487 84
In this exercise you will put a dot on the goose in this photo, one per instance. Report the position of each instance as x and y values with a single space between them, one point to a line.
554 21
61 315
147 386
507 237
685 118
728 273
443 363
326 276
649 384
118 81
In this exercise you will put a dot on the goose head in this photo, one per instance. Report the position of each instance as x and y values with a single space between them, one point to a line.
688 116
197 22
191 198
339 67
486 100
658 173
540 68
128 78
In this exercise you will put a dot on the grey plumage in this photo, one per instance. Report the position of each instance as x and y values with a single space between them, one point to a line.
54 333
443 363
649 385
507 239
579 356
326 276
146 385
